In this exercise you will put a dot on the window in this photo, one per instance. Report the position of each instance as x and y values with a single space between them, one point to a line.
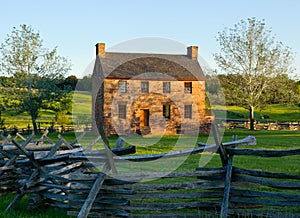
188 111
167 111
122 111
166 87
122 87
188 87
145 87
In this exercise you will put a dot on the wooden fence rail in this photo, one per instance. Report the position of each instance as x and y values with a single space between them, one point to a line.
66 176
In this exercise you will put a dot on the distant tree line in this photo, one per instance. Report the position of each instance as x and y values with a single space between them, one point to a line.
284 90
70 82
13 89
84 84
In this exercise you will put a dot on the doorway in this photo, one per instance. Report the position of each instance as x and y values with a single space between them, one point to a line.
144 117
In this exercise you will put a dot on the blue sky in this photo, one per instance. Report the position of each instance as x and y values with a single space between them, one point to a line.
76 26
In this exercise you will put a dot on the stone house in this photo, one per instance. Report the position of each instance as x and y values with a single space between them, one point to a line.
148 93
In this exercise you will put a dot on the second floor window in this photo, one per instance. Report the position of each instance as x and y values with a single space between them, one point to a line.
188 87
122 87
145 87
166 87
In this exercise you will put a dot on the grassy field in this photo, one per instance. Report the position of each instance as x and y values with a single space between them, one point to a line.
276 112
21 212
265 139
81 110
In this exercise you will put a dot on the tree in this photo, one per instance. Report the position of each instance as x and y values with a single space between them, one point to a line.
285 93
298 92
85 84
37 70
274 94
254 62
298 87
69 82
61 109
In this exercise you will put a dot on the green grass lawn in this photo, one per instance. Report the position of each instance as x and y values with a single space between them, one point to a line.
21 212
265 139
279 140
276 112
81 109
82 102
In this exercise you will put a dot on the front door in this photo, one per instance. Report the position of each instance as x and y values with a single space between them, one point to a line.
144 117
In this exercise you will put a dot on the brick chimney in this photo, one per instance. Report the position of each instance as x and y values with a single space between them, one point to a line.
192 52
100 49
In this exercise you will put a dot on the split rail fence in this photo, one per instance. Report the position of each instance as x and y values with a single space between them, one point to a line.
66 176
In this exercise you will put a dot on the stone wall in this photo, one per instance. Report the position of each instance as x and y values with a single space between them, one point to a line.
136 102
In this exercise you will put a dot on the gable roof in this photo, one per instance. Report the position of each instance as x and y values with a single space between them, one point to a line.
116 65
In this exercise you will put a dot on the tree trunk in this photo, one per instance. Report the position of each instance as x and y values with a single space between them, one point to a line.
1 121
251 117
33 119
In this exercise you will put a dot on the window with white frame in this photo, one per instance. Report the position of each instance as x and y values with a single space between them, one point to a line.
122 86
144 87
166 87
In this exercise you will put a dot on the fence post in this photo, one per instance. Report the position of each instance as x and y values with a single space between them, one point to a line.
107 150
225 201
87 206
221 149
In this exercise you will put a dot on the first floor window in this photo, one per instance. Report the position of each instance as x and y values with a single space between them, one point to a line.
122 86
188 111
122 111
167 111
145 87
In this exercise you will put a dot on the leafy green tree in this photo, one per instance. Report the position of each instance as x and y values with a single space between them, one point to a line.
69 82
298 92
6 82
254 60
298 87
37 71
85 84
62 109
285 93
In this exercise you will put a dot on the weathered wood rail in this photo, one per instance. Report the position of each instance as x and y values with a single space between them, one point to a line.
258 125
42 171
66 176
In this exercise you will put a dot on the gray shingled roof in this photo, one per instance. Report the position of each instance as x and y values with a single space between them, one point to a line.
128 65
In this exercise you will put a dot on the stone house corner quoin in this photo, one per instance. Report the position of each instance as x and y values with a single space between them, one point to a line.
148 93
